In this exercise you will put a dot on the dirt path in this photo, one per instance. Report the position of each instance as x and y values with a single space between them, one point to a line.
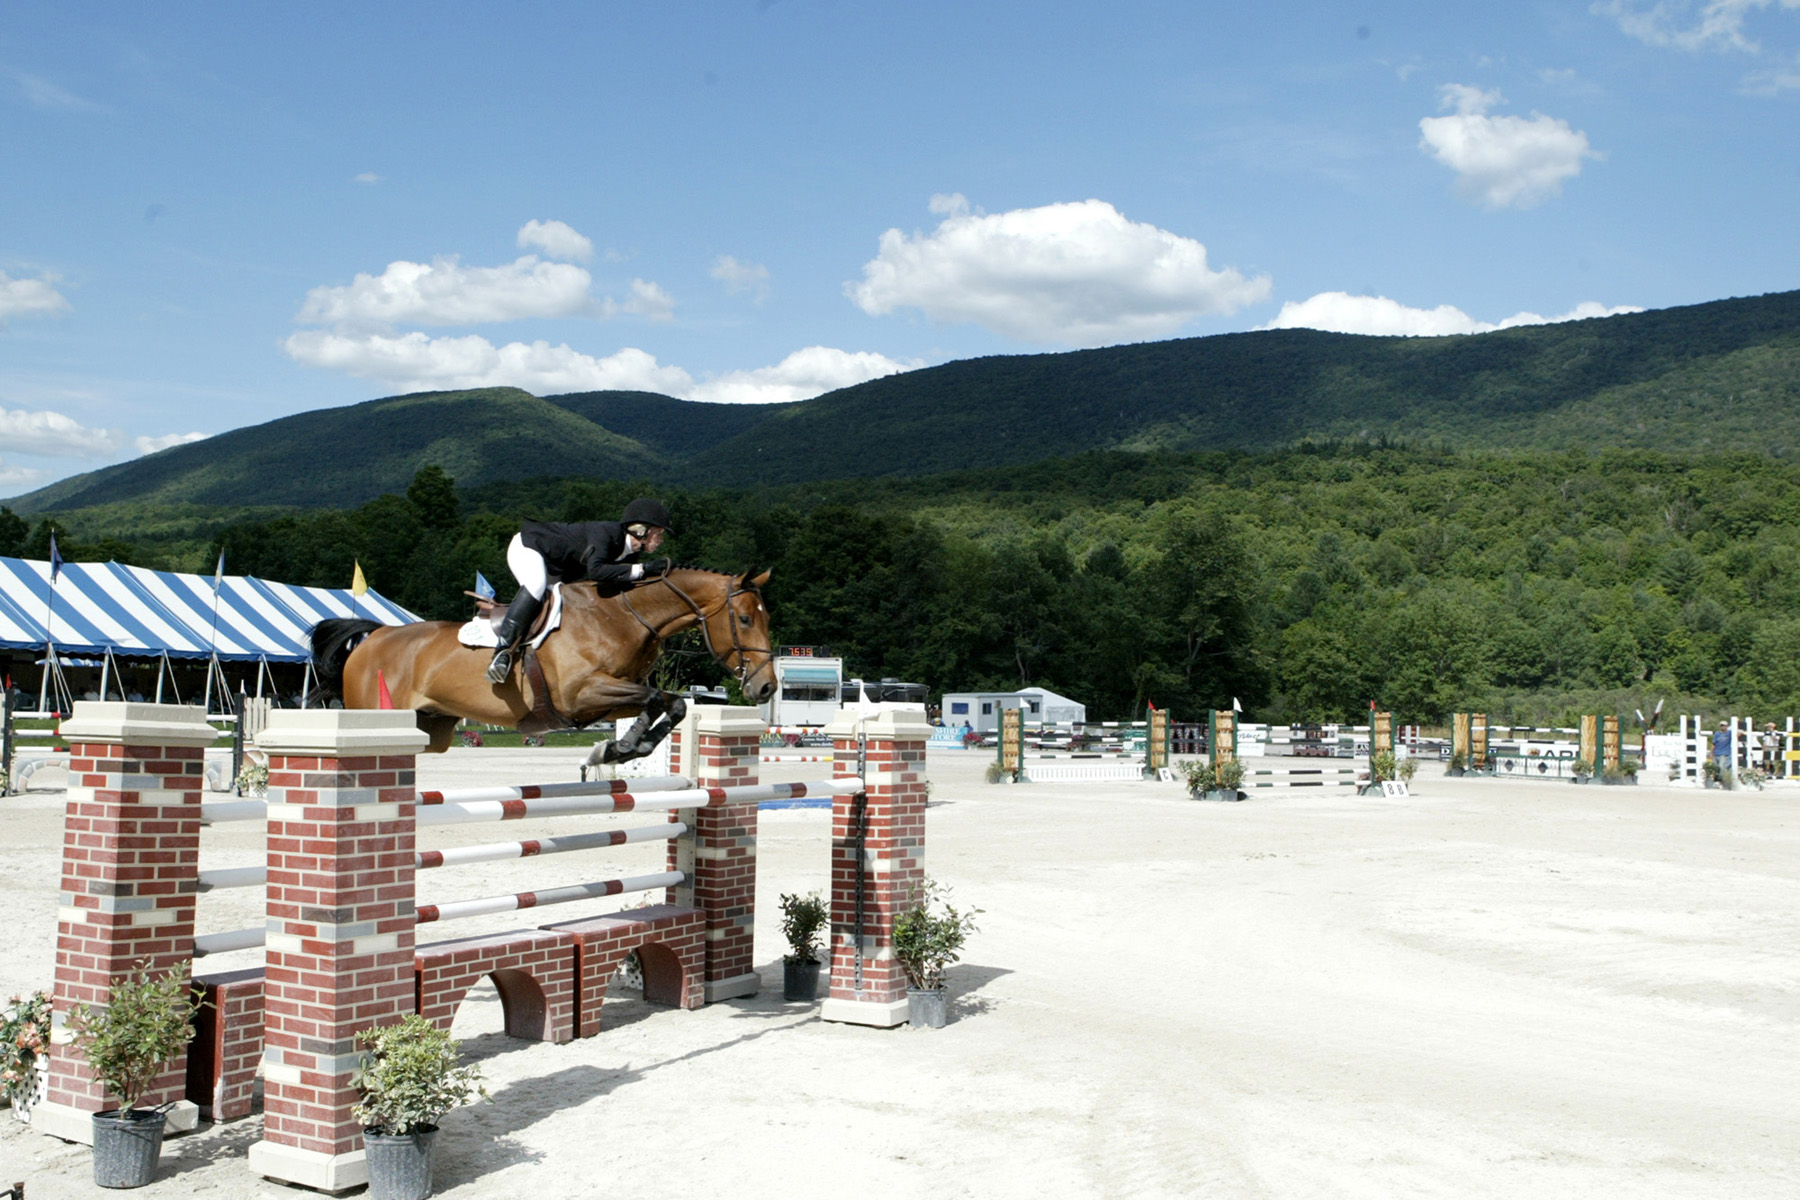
1490 989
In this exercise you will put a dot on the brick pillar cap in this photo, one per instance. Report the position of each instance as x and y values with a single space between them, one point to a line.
726 720
342 732
120 722
900 723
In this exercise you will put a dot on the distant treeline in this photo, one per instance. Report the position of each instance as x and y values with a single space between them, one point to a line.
1305 583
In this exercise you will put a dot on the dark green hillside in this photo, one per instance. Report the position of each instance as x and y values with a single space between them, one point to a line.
670 427
345 456
1724 375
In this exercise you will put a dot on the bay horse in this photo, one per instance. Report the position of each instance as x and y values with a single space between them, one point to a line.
593 666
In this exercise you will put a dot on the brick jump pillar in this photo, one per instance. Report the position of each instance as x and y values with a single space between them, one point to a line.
339 953
719 856
888 826
130 875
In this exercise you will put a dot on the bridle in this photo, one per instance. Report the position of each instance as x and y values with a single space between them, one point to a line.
743 669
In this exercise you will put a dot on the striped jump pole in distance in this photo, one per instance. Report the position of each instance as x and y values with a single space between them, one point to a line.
449 812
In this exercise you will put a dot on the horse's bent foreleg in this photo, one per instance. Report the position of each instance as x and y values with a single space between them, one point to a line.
441 728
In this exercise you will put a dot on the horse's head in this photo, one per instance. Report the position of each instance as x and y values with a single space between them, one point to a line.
739 635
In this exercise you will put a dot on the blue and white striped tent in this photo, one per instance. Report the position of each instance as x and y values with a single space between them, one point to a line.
140 613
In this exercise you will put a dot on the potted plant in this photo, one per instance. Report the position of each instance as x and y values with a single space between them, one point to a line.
24 1052
802 918
1617 776
409 1080
925 943
253 778
147 1021
1409 766
1198 775
1715 777
1459 763
1582 770
1228 776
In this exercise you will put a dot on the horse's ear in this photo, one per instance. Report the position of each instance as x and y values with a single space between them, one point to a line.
760 580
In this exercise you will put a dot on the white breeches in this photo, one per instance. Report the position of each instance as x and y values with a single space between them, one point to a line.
528 567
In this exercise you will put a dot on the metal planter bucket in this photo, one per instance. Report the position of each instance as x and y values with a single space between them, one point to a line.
127 1144
799 981
926 1008
399 1164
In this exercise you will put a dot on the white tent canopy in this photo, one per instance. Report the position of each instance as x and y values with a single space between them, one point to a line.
137 612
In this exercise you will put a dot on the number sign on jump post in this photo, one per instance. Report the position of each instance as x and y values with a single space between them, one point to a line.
1012 743
1221 742
1156 743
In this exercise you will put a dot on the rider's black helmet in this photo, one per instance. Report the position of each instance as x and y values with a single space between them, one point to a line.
646 512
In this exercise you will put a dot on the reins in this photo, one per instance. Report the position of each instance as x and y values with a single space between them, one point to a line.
702 617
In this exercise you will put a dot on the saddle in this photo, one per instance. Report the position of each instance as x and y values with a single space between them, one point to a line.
493 612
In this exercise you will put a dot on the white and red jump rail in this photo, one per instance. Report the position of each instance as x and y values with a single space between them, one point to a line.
463 806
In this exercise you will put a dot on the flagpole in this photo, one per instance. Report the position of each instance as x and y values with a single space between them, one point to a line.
212 666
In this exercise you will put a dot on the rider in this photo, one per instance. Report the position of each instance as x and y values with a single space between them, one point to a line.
607 552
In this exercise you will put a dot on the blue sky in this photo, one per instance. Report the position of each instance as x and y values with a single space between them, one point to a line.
215 215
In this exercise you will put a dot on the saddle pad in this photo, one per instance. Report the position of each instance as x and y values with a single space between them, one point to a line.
480 633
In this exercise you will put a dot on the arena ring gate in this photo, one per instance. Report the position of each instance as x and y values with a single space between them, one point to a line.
339 941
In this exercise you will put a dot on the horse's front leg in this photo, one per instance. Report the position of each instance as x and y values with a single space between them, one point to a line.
605 696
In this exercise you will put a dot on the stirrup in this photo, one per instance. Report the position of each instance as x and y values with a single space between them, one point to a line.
501 667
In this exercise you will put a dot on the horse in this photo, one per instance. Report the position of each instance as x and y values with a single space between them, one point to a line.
592 668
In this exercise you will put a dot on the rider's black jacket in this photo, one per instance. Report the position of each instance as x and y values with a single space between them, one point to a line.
584 550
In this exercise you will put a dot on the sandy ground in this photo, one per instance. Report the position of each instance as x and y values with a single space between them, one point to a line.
1488 989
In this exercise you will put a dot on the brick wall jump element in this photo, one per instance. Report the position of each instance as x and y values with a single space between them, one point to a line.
534 972
671 943
130 871
719 857
227 1046
893 860
339 954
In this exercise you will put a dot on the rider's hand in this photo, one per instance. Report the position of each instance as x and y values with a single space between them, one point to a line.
656 568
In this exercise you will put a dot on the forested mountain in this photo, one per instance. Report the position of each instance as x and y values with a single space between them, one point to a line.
1718 376
344 456
1528 584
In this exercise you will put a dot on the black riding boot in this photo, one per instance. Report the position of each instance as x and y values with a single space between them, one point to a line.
519 616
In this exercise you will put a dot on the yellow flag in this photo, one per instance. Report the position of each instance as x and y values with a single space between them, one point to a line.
358 585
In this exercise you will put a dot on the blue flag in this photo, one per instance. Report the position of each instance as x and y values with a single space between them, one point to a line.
55 559
483 588
219 571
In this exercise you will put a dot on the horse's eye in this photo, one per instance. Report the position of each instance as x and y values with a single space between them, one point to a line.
744 621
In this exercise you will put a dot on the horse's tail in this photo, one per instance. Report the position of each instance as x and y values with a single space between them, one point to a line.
332 642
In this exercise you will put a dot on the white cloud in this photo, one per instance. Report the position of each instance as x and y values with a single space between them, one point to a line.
1340 312
150 445
30 297
742 277
41 93
1772 81
556 239
368 177
1076 273
444 292
1502 162
800 376
56 435
1710 25
19 479
647 300
416 362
